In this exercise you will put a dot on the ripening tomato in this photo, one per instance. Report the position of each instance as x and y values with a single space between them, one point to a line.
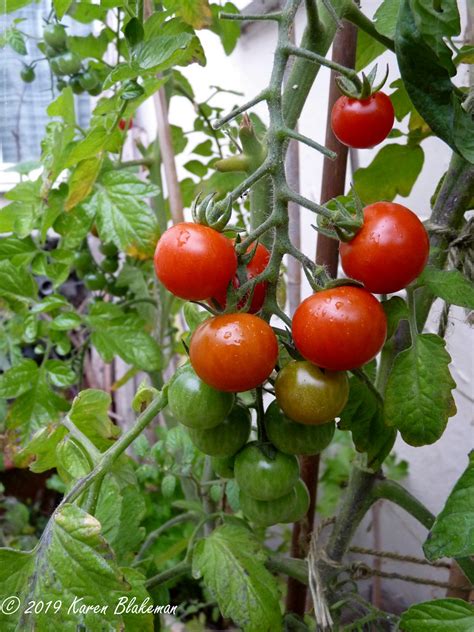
310 395
256 266
339 329
233 352
125 125
296 438
194 262
265 473
362 123
389 251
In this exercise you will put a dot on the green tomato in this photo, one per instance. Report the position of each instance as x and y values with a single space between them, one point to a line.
295 438
310 395
194 403
28 74
95 91
223 466
300 509
49 51
55 36
109 249
264 473
76 86
61 85
95 281
265 513
117 290
66 64
227 438
83 262
89 79
110 264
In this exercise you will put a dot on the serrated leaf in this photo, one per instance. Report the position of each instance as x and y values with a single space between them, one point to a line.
418 398
196 13
392 172
89 412
16 283
18 251
97 140
18 379
82 180
230 562
161 52
61 7
63 106
452 534
16 40
450 285
122 215
439 615
60 373
72 562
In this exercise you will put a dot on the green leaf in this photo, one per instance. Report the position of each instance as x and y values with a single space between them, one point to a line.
161 52
452 534
230 562
385 20
18 379
392 172
63 106
16 284
19 252
73 562
450 285
13 5
400 100
134 32
61 7
20 216
60 373
418 398
395 310
89 412
363 417
90 45
97 140
196 167
439 615
55 147
227 30
121 214
429 85
16 40
66 321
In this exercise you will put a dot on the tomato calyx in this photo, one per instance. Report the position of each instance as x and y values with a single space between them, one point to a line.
207 213
346 221
363 88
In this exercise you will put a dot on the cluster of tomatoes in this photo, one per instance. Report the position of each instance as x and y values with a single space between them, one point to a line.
335 330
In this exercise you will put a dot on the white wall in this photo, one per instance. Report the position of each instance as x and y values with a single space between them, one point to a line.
433 469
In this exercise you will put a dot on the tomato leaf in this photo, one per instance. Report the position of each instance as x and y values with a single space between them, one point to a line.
122 215
450 285
418 398
392 172
16 284
82 180
363 417
230 561
196 13
395 310
439 615
74 561
60 7
452 534
385 21
227 30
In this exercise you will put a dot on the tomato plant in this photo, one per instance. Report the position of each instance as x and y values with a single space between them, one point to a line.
362 123
390 250
226 439
339 329
309 395
194 262
234 352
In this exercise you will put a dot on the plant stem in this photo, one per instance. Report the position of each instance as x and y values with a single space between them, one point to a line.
180 569
154 535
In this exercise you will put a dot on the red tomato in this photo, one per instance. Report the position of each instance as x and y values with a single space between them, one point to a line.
124 124
234 352
257 265
339 329
390 250
194 262
362 123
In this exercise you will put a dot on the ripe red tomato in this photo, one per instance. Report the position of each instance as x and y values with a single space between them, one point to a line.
257 264
339 329
362 123
233 352
390 250
124 124
194 262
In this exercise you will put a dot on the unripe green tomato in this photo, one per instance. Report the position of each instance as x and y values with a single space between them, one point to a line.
310 395
227 438
83 262
265 473
89 79
300 509
28 74
95 91
223 466
110 264
55 36
296 438
76 86
265 513
49 51
61 84
66 64
194 403
95 281
117 290
109 249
